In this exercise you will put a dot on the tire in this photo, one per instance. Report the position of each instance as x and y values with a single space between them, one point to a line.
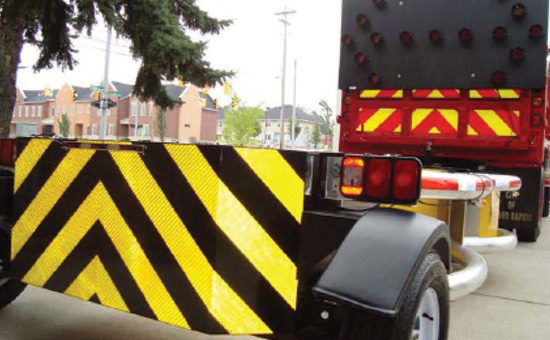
431 276
546 202
9 290
529 235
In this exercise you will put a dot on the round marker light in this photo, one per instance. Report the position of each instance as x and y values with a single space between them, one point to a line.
347 100
536 32
538 102
362 19
517 55
436 37
360 58
375 79
407 38
499 78
537 120
347 39
519 11
379 3
466 36
500 34
376 39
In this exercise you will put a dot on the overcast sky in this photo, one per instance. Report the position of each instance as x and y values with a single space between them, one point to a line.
252 47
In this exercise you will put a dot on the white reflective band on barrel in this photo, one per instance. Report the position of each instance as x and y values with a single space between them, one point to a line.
464 186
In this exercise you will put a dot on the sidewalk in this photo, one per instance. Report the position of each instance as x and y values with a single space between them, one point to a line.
514 303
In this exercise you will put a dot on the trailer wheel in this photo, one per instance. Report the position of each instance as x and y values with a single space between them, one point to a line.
424 314
9 290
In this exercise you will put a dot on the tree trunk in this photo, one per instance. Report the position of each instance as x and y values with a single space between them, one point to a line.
11 43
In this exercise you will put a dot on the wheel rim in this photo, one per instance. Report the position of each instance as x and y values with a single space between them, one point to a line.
426 324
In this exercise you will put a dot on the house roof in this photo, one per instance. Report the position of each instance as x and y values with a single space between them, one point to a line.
209 101
124 89
175 91
37 96
275 113
83 94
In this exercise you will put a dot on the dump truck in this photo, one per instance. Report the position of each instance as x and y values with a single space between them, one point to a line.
281 244
459 94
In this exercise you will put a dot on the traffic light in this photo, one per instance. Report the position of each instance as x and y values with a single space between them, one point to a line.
74 95
181 81
234 102
226 88
206 89
216 105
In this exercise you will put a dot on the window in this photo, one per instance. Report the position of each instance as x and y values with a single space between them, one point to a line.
268 124
151 109
73 110
88 109
64 109
40 111
134 109
20 111
268 137
94 129
53 111
143 110
58 111
27 111
80 109
111 131
187 125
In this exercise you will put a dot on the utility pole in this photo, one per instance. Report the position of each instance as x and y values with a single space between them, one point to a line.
105 96
293 136
285 22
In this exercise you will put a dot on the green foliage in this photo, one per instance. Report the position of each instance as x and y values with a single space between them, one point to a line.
297 128
161 123
328 123
157 29
64 125
316 136
242 125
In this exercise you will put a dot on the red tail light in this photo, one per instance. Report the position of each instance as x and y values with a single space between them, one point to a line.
436 37
538 102
406 186
378 178
407 38
374 79
537 121
466 36
500 34
519 11
353 169
517 55
536 32
7 152
381 179
499 78
376 39
347 39
362 19
360 58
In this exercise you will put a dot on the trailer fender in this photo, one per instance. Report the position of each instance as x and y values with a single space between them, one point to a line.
377 260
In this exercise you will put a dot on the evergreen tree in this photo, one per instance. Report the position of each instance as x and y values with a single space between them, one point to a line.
157 30
161 123
64 125
316 136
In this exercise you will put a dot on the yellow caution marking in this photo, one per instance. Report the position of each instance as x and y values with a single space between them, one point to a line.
496 123
28 159
434 131
369 94
398 94
224 304
472 132
377 119
98 206
474 94
95 280
398 129
47 197
436 94
508 94
451 116
419 116
236 222
278 176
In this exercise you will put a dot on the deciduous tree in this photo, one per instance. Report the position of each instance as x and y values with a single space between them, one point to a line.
242 125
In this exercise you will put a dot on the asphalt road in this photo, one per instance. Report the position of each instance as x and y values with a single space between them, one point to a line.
514 304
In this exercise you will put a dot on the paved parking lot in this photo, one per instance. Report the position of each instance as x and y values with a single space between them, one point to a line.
514 304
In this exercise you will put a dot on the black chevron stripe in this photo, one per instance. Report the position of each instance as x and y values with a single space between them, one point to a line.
297 160
222 254
97 243
261 203
38 176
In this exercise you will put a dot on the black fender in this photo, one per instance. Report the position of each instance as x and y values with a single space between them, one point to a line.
377 260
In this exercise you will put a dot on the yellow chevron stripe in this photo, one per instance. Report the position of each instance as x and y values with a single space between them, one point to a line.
236 222
495 122
471 131
369 94
28 159
224 304
377 119
398 129
474 94
47 197
99 206
419 115
398 94
278 176
434 131
436 94
451 116
95 280
508 94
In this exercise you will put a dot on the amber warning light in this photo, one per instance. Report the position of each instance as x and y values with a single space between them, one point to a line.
381 179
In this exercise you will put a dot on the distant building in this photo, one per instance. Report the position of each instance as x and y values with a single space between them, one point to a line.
271 126
38 112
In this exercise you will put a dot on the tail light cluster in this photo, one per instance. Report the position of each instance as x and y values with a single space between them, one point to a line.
537 119
381 179
7 152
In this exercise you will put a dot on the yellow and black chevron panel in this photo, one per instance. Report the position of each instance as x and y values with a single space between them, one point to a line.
201 237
